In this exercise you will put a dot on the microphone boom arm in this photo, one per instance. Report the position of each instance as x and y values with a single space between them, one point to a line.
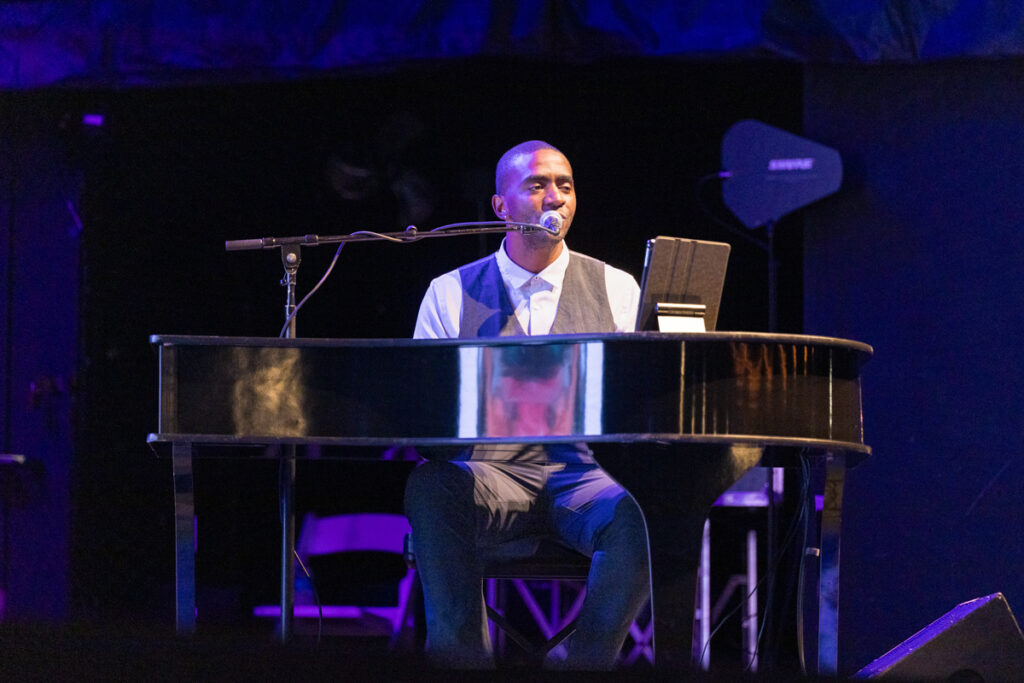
410 234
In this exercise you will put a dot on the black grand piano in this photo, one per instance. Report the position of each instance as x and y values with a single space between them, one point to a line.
691 413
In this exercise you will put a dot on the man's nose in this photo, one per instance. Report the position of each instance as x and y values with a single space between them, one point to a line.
554 197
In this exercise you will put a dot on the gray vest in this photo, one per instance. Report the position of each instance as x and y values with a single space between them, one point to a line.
487 311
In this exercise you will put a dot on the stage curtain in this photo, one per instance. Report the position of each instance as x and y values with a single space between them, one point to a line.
152 42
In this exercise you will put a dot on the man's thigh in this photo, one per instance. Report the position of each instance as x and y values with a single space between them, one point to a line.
585 502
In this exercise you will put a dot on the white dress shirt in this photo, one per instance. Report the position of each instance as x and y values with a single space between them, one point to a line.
534 297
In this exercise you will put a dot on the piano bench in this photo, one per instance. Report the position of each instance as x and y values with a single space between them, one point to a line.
557 567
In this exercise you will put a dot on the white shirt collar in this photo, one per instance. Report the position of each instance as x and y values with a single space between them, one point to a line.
516 276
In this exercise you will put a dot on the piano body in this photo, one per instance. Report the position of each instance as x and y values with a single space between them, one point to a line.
691 414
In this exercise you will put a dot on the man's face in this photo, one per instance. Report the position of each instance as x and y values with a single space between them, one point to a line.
536 183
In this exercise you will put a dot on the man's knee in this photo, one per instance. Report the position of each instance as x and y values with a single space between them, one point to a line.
626 534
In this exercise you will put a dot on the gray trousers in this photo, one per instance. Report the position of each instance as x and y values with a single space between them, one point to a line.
463 511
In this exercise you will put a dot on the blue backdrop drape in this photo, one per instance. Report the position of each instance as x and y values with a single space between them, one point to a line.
123 42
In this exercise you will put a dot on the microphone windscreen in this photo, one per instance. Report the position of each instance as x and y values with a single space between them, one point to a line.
551 220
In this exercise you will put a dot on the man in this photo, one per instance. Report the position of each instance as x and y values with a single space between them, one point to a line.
497 496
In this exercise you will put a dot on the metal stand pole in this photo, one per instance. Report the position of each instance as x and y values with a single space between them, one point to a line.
291 258
773 278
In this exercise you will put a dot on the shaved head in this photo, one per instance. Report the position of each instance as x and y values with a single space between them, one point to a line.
532 178
507 160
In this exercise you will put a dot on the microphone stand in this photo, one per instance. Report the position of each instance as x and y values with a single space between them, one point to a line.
291 259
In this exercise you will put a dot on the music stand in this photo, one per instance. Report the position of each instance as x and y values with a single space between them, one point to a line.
682 284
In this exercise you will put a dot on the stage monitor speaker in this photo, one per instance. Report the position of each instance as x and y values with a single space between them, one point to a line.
978 640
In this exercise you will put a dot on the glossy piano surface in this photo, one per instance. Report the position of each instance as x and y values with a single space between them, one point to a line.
693 412
709 387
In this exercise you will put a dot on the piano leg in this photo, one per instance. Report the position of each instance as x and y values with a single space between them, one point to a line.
828 579
184 538
676 486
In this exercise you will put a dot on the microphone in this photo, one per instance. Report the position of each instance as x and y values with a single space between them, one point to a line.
551 221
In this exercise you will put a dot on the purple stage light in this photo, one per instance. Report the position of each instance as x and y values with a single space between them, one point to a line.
95 120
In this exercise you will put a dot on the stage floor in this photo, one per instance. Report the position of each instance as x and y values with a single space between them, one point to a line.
131 651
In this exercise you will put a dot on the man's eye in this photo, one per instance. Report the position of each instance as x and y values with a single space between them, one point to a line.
566 188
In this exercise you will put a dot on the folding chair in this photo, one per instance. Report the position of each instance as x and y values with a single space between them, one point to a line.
351 533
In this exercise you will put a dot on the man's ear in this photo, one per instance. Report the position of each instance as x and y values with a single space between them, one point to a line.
498 204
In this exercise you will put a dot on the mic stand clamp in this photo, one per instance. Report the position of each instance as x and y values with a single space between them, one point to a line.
291 259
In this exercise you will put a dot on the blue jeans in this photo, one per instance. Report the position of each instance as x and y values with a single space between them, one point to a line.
462 511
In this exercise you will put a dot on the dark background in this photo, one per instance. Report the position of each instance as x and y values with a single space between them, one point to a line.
110 234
